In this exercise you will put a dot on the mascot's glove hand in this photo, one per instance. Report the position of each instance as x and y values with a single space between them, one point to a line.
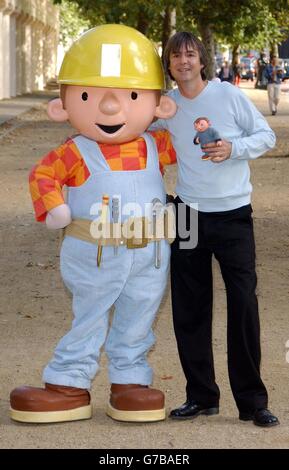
59 217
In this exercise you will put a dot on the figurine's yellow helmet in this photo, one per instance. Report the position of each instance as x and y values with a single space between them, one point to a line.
113 55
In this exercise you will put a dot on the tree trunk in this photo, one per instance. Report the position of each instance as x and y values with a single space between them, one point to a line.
166 30
274 50
169 28
142 23
207 35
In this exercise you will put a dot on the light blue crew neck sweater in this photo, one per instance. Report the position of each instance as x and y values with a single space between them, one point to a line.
217 186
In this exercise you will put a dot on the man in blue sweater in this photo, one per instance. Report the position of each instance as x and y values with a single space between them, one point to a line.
221 188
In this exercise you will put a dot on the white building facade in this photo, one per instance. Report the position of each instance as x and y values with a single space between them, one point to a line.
28 45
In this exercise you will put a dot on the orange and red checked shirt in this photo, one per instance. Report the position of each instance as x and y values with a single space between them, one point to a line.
66 166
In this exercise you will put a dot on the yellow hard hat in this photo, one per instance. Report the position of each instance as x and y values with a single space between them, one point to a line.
113 55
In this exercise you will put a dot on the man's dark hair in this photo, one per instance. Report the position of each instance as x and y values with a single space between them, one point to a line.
175 43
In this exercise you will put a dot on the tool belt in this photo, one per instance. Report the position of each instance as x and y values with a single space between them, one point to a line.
122 234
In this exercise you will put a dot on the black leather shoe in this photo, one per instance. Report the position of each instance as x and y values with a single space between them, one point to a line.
262 417
191 409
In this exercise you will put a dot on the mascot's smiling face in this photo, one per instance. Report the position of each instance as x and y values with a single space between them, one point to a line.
110 115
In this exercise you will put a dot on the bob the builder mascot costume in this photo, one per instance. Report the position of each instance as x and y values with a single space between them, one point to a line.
111 80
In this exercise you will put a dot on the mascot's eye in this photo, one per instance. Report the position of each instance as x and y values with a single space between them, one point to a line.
84 96
133 95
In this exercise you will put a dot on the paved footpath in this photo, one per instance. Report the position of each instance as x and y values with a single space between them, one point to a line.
14 107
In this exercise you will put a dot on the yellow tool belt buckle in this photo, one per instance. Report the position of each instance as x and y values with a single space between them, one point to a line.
134 242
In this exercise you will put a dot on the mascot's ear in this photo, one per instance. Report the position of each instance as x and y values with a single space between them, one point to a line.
56 112
167 108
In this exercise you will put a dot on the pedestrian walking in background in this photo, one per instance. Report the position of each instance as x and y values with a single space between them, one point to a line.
273 73
237 70
261 81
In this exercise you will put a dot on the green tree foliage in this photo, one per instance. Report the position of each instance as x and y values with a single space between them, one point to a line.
146 16
256 26
72 22
246 23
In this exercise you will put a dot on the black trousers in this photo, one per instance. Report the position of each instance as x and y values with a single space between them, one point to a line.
229 237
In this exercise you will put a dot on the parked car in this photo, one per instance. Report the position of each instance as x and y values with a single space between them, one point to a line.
285 66
248 68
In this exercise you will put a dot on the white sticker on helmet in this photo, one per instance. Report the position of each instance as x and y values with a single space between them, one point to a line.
110 60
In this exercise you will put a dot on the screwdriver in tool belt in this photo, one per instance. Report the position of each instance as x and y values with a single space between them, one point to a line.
157 205
103 219
115 219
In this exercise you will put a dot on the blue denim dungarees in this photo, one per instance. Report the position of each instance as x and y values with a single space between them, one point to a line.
128 280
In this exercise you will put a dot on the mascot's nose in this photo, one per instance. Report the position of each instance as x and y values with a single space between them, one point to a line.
109 104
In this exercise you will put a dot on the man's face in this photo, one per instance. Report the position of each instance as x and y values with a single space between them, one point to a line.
110 115
201 125
185 64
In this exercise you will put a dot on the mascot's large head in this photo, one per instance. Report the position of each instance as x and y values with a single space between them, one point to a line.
111 80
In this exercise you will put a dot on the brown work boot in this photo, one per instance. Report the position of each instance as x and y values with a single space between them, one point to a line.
135 402
51 404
